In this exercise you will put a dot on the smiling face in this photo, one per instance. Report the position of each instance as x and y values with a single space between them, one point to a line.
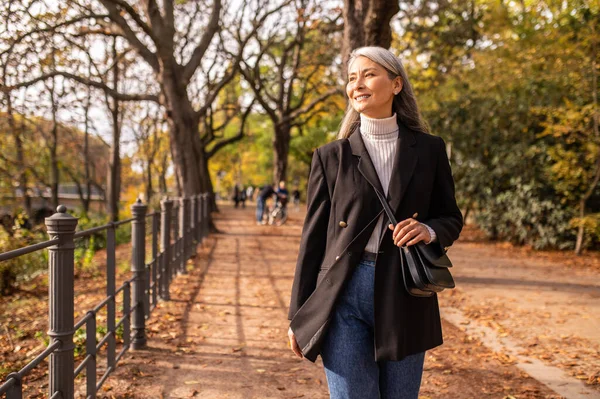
370 89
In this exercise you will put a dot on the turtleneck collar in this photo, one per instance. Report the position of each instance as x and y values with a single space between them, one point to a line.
379 129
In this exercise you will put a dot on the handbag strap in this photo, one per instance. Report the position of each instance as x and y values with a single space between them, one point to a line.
386 207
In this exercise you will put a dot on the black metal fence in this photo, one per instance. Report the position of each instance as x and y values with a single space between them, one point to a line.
185 218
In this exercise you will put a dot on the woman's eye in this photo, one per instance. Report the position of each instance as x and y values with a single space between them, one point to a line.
370 74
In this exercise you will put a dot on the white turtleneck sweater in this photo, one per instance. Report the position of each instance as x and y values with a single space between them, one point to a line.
380 137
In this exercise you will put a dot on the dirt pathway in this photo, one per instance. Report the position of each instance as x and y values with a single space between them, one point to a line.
223 334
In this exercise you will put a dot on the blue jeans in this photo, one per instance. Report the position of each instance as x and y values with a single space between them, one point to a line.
260 209
348 350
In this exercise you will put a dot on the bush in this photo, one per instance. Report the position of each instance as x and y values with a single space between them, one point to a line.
525 215
21 267
86 248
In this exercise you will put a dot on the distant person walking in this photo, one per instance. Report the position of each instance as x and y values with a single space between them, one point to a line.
296 198
243 197
348 301
235 195
265 192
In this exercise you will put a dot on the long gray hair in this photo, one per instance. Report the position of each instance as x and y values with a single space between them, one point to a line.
405 103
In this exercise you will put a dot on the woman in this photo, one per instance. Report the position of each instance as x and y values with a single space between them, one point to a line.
348 302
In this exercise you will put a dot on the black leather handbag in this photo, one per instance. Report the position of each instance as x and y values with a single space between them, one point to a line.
425 268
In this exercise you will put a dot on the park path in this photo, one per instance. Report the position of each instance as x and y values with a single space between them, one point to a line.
224 332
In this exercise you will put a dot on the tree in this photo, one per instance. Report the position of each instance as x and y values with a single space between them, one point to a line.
175 51
290 77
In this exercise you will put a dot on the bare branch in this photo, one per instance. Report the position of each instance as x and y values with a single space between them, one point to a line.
169 20
129 34
312 104
50 29
233 139
156 19
256 87
207 36
108 90
134 15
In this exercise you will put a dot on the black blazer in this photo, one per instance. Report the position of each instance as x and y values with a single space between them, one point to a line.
339 191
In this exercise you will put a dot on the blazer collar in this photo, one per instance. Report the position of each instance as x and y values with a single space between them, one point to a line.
405 161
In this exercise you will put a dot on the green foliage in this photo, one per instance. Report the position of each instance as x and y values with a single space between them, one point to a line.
511 91
80 338
13 270
521 215
86 248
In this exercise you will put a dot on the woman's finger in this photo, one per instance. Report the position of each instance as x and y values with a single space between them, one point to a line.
400 226
295 347
403 238
420 237
294 343
404 231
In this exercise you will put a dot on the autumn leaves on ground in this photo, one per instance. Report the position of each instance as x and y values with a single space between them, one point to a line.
223 334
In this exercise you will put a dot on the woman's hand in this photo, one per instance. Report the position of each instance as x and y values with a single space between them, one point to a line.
294 344
409 232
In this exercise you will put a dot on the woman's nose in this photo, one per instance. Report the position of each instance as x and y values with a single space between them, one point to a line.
359 83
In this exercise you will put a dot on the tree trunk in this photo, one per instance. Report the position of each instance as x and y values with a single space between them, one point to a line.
580 229
54 172
212 205
379 14
367 23
149 189
188 154
162 179
354 32
20 158
86 153
113 186
281 149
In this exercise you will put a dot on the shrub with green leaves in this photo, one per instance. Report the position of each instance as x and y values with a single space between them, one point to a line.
523 215
21 267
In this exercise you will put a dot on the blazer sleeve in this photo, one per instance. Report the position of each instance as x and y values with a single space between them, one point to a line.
314 236
445 217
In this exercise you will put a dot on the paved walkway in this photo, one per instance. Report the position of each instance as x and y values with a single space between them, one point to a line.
223 334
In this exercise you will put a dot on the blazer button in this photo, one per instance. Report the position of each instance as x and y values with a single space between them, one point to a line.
337 257
343 224
349 254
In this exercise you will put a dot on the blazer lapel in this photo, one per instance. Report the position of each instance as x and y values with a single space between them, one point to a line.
365 165
405 161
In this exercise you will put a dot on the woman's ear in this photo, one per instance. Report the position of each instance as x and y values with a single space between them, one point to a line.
397 85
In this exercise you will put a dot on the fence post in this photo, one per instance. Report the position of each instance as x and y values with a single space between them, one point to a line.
61 265
166 206
184 222
176 241
138 268
194 226
111 264
205 214
200 219
155 258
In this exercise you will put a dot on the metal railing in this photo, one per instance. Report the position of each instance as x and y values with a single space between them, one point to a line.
186 218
